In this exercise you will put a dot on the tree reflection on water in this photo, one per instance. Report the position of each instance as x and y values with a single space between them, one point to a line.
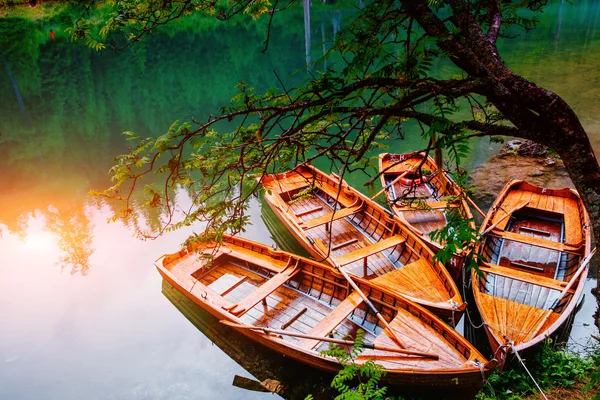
74 232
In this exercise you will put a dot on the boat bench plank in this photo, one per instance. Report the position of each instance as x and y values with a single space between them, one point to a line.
262 260
324 219
545 243
366 251
433 205
573 231
523 276
309 211
332 320
263 291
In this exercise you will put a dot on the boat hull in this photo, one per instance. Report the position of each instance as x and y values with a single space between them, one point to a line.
535 249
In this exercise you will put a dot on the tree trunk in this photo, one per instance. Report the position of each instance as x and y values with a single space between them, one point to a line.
554 124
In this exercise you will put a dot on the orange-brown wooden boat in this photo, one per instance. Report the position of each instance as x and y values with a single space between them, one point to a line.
360 236
536 245
295 306
417 191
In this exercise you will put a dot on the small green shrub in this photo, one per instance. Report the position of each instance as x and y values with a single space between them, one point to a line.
356 381
552 366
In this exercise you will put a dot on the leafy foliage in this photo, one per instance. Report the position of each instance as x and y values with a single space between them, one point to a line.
382 76
458 236
552 366
356 381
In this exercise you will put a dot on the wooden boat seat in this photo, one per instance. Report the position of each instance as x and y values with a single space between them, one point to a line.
345 198
434 205
545 243
324 219
573 231
367 251
258 259
306 212
332 320
523 276
263 291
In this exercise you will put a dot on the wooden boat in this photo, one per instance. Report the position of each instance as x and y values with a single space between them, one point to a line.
420 200
334 222
536 246
292 304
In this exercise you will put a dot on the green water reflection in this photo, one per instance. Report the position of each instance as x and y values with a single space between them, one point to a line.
63 108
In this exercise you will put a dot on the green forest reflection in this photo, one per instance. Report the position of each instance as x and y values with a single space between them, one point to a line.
63 106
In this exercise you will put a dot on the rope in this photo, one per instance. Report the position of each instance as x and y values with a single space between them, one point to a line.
526 370
464 293
479 365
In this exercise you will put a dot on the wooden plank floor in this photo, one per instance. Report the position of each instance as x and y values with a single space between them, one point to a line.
281 305
522 292
414 279
341 231
419 337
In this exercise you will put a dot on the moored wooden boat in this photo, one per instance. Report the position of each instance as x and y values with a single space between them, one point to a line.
255 289
536 245
420 199
334 222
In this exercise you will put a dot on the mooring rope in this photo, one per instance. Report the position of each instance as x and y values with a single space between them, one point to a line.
464 293
526 370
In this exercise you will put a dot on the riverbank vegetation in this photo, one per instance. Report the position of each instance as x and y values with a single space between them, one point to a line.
557 370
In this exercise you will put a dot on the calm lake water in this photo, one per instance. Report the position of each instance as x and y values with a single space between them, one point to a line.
83 312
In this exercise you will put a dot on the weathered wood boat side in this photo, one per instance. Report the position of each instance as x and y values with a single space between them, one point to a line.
250 286
336 223
420 201
536 259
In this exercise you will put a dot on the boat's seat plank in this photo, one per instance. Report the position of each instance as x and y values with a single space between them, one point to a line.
523 276
262 260
573 231
433 205
264 290
324 219
548 244
308 211
333 319
512 199
366 251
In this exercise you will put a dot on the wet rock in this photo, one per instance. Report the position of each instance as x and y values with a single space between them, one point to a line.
510 148
523 148
532 149
537 172
550 161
